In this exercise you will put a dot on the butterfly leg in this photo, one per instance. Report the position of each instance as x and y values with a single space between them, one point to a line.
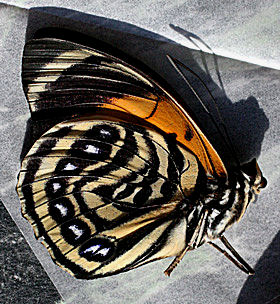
176 261
239 261
200 228
196 238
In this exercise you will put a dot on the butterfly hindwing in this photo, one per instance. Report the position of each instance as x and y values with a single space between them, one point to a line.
107 182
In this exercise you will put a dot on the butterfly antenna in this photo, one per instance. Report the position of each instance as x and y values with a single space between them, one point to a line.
176 64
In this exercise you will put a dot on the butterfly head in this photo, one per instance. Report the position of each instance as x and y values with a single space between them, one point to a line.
252 172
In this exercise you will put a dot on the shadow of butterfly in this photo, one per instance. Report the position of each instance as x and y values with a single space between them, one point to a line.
128 178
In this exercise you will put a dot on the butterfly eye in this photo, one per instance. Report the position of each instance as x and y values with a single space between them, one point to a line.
97 250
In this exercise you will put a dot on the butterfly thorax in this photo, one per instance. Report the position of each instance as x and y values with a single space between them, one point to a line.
223 204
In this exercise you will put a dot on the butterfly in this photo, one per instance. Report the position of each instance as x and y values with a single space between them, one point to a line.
123 176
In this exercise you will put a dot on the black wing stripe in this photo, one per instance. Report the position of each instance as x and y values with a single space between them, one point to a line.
84 182
52 67
130 250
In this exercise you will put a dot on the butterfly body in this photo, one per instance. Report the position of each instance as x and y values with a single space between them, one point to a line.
134 182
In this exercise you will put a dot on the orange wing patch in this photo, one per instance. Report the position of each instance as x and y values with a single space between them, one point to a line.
169 116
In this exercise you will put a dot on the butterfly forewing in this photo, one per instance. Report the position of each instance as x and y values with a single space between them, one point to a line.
62 74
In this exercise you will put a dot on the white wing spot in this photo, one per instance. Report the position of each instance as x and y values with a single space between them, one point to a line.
78 232
92 149
63 210
104 132
70 167
92 249
104 251
56 186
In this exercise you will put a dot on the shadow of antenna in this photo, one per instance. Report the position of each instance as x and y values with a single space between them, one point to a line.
222 127
245 110
193 38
